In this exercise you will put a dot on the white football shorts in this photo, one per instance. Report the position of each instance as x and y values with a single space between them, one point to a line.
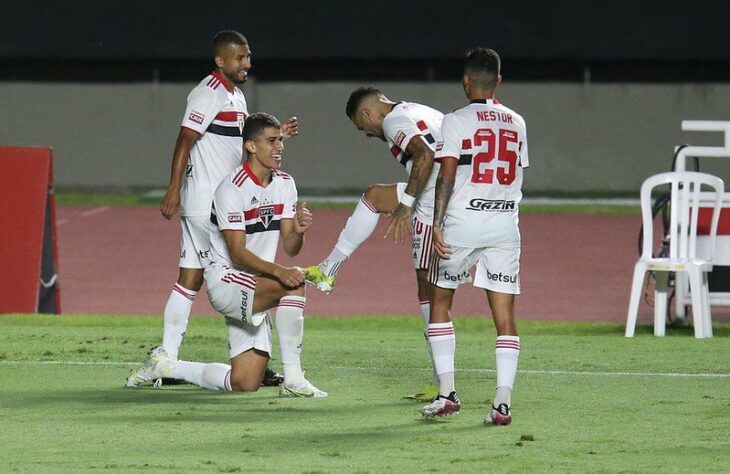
194 241
497 269
245 336
423 210
422 242
231 292
422 236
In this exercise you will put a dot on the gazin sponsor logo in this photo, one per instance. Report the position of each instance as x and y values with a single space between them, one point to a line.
487 205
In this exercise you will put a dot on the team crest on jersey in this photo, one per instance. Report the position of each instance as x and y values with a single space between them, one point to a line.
266 215
400 137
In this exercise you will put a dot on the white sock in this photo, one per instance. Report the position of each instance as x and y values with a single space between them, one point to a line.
359 226
426 311
290 327
213 376
176 315
507 350
442 339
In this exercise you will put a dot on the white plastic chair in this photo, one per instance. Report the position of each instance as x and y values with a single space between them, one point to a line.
684 204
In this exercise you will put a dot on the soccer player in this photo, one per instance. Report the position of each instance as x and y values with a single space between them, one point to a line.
208 147
478 190
252 208
411 131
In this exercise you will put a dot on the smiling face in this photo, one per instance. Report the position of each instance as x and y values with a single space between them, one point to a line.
234 62
265 149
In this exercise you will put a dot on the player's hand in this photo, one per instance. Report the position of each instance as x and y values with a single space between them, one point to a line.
291 277
290 128
443 250
169 204
303 218
400 223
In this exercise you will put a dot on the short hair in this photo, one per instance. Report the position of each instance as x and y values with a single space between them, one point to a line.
482 65
357 97
257 123
226 37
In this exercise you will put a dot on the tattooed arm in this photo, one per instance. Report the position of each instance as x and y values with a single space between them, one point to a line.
444 189
422 157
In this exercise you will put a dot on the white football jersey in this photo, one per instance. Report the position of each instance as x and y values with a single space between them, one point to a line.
405 121
490 142
217 114
241 203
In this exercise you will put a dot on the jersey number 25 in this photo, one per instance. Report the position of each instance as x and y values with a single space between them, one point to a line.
482 172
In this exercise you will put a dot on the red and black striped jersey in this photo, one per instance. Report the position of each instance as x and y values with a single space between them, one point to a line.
241 203
216 111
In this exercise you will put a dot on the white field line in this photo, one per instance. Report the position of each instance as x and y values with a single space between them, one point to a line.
343 367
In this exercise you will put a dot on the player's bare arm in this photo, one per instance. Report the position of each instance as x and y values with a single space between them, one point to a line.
171 201
444 189
422 157
293 230
241 256
290 128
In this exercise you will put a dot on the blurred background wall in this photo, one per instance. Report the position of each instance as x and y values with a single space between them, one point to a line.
603 86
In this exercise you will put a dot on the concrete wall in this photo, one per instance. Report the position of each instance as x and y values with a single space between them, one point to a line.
606 137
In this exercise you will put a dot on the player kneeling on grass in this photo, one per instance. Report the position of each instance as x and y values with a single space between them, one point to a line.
252 208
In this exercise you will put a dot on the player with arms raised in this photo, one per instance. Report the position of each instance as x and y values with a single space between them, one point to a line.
411 131
478 190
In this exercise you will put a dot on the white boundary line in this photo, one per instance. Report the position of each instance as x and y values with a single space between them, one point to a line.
343 367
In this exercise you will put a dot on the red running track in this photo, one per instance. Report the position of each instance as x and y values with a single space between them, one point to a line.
574 267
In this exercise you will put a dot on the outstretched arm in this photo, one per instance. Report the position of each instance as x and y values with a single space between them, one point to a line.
422 156
171 201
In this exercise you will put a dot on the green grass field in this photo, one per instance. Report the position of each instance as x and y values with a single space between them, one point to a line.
586 400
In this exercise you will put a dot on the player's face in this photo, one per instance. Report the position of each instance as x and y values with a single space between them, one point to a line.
234 62
268 148
364 121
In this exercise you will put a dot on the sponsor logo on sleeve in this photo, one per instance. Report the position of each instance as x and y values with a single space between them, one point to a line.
235 217
439 146
400 137
196 117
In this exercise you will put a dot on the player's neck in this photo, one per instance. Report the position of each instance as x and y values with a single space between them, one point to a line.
260 171
230 85
480 95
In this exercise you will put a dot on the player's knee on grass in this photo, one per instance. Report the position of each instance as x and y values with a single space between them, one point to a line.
243 384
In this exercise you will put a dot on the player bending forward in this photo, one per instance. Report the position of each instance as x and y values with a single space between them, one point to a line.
252 208
411 131
482 156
